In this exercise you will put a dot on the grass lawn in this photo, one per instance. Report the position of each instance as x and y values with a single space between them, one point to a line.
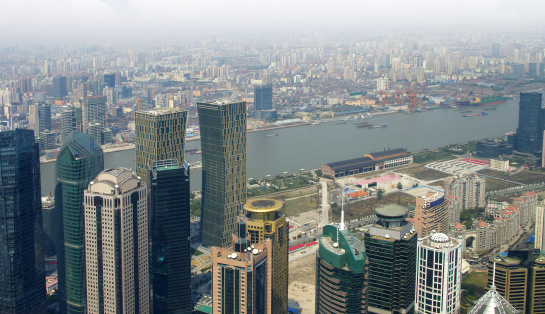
302 204
493 184
420 172
473 287
526 177
367 207
196 252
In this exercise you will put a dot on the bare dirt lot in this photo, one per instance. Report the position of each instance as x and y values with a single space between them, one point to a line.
302 282
420 172
526 177
367 207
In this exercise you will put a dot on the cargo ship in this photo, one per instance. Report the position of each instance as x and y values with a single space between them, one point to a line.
269 135
363 125
485 101
484 113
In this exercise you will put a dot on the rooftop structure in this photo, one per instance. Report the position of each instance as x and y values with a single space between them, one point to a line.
369 162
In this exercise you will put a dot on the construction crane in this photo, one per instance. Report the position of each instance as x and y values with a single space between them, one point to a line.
412 96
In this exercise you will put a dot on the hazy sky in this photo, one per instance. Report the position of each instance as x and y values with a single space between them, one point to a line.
77 20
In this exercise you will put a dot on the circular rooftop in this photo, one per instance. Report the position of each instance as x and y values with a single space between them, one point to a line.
263 205
440 238
391 211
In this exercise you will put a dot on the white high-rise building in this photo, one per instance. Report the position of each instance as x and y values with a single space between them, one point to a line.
438 274
540 230
116 243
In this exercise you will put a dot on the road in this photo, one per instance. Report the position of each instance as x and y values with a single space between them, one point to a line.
325 203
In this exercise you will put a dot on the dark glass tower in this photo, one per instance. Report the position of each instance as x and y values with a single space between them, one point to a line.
22 276
263 97
223 142
391 248
79 161
530 129
341 273
170 237
59 86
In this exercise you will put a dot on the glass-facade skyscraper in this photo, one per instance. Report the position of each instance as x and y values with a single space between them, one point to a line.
79 161
531 123
223 142
263 97
22 269
159 135
168 183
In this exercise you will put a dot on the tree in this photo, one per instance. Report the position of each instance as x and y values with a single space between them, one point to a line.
400 186
380 192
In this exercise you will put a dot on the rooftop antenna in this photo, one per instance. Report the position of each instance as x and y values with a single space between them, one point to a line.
342 225
493 286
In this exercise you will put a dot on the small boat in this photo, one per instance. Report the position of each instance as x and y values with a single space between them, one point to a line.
341 122
196 152
383 125
269 135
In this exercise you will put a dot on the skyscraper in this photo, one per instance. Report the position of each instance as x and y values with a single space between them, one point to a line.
341 273
49 216
39 118
263 97
495 50
223 142
266 221
390 245
431 213
79 161
159 135
59 86
116 243
93 112
170 236
493 302
71 120
438 275
22 276
530 127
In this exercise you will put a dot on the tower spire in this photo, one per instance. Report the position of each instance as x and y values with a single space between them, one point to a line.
342 225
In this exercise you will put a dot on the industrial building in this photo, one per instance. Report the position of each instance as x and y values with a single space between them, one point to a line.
369 162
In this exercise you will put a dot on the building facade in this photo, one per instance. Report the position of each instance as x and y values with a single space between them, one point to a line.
242 275
431 213
469 190
59 86
39 118
159 135
391 248
79 161
49 216
530 128
116 243
369 162
169 206
22 275
341 273
438 274
93 112
71 120
265 220
223 142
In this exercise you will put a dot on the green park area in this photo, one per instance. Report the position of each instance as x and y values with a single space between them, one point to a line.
473 287
442 153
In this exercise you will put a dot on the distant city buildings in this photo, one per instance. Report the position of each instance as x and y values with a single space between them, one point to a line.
468 191
438 274
116 243
79 161
391 249
22 276
223 142
342 280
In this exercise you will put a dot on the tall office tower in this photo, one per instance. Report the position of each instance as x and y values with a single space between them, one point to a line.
438 274
49 216
242 275
431 213
79 161
533 70
168 182
266 221
223 142
109 80
71 120
530 128
536 284
263 97
116 243
39 118
469 191
93 111
511 279
495 50
95 130
22 276
25 85
390 245
341 272
159 135
59 86
539 243
493 302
